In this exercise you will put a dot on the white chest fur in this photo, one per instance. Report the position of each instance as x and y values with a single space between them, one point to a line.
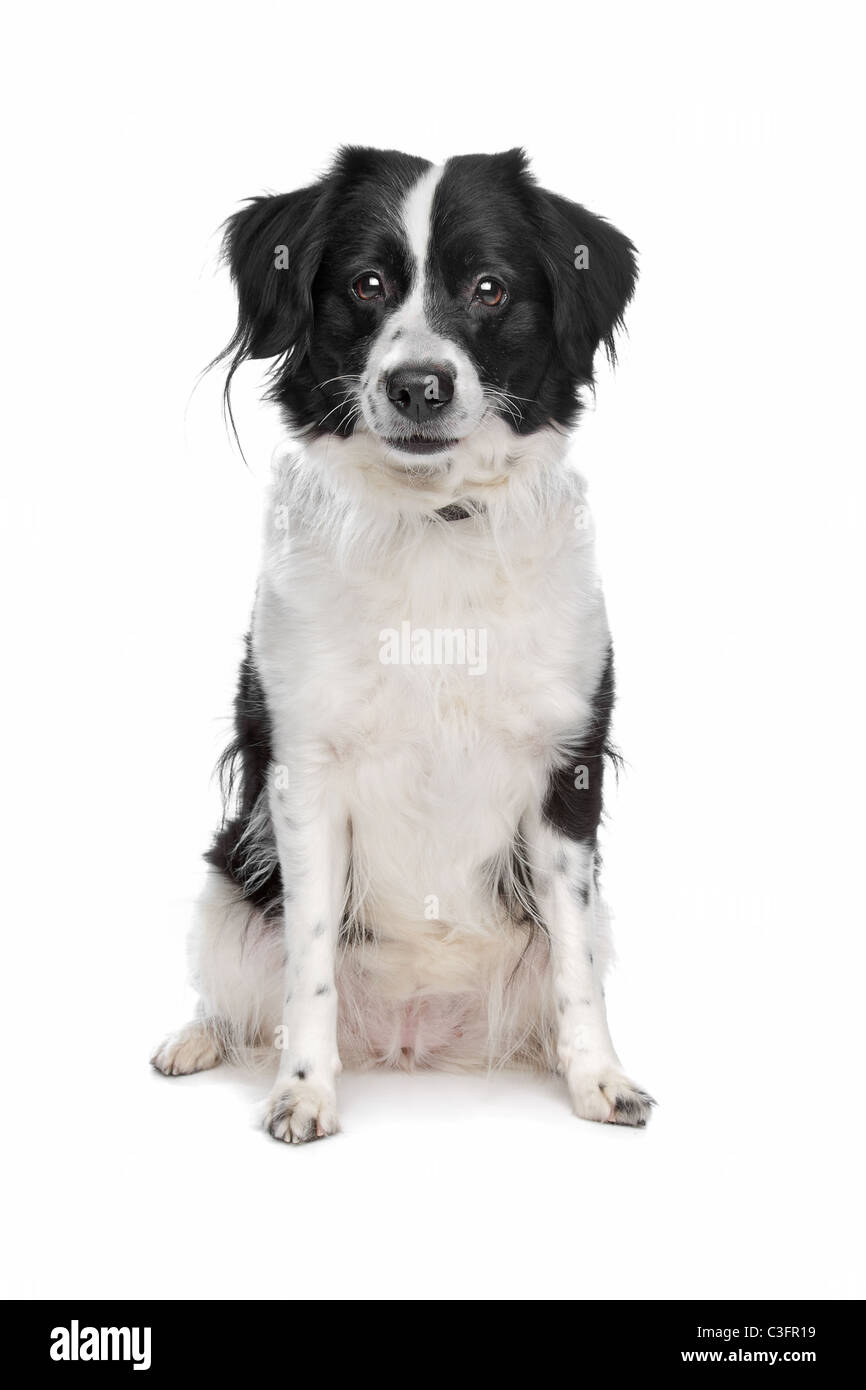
430 669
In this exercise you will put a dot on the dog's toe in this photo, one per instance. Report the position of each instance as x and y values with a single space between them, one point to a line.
609 1097
301 1113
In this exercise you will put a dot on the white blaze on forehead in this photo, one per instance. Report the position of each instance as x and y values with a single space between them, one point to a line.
417 214
406 338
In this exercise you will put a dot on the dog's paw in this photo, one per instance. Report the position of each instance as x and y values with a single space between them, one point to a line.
192 1049
609 1097
301 1111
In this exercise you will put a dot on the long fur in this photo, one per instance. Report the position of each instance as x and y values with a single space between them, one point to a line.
407 872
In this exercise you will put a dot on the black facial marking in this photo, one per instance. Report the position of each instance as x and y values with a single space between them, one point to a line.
298 307
294 258
319 929
323 989
301 1073
492 223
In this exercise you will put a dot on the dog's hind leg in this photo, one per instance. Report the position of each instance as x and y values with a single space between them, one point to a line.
193 1048
237 962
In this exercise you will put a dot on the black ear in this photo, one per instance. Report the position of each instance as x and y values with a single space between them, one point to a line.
592 271
273 248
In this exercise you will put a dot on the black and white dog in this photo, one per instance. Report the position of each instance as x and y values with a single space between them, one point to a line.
408 871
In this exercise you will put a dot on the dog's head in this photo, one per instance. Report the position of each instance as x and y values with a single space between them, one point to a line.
414 303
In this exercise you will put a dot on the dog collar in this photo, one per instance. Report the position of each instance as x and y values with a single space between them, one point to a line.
455 511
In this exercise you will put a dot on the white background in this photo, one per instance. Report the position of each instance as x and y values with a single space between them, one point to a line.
728 493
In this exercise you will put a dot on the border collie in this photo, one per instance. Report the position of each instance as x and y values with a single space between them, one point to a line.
407 871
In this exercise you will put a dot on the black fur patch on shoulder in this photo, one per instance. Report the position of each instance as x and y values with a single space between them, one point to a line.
573 803
237 849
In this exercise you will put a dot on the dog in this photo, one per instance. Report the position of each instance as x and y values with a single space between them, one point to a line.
407 873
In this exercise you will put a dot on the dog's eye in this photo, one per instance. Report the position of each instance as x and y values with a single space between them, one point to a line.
369 286
489 291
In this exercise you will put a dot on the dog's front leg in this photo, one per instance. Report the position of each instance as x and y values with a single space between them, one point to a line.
312 834
564 878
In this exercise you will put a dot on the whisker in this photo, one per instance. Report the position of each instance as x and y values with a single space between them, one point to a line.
340 403
503 399
349 376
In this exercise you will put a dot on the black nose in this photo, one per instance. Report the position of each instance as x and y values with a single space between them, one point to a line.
418 392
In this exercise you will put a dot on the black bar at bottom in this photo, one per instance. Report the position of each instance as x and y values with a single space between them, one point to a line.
317 1339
